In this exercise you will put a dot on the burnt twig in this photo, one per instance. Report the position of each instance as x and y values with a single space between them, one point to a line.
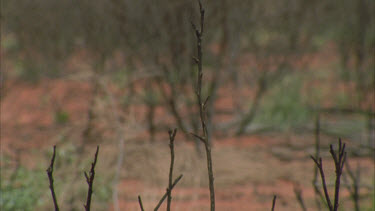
90 181
50 177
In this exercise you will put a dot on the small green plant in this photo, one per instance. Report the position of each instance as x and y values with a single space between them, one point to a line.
61 117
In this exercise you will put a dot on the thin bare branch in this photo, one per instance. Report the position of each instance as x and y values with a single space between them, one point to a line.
273 203
166 193
50 177
202 111
319 164
205 102
198 137
201 10
195 60
172 135
140 203
339 164
339 160
90 181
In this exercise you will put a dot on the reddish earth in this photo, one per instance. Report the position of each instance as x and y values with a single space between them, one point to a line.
249 170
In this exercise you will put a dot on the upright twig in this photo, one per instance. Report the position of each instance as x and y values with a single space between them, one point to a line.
339 160
273 203
172 135
90 181
140 203
171 185
164 196
166 193
339 165
50 177
203 105
319 164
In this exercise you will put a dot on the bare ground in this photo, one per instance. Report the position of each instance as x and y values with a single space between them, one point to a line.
248 170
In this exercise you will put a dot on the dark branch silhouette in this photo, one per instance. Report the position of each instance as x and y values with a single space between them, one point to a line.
273 203
339 165
166 193
172 135
140 203
50 177
90 181
339 160
203 105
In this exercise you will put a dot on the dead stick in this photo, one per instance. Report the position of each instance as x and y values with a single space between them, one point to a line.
140 203
172 135
273 203
90 181
166 193
50 177
202 104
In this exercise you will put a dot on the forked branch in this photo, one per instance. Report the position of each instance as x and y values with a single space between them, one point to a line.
90 181
164 196
339 160
339 165
166 193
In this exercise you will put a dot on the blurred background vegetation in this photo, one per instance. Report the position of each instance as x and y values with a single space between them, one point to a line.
270 66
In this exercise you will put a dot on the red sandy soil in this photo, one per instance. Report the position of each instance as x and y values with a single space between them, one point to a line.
243 182
28 111
249 170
